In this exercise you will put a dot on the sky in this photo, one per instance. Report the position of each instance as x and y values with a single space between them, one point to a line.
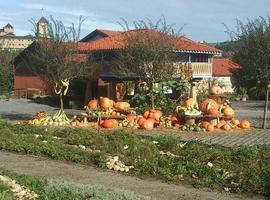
200 19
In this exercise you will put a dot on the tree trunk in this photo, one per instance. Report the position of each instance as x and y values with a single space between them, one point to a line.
61 101
266 108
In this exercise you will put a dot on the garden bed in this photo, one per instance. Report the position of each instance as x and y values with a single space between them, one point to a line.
167 158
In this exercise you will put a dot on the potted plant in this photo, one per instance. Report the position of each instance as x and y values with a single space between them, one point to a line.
243 93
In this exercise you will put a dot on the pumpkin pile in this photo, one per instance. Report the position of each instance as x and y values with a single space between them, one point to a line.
190 108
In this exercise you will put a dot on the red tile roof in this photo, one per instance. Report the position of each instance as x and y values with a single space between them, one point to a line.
116 41
108 32
224 67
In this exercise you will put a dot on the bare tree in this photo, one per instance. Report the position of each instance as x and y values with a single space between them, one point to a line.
57 59
148 51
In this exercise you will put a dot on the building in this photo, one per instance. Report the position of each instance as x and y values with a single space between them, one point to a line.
197 57
8 39
223 70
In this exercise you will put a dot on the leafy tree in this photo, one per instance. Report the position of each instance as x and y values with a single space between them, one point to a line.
252 52
56 58
148 53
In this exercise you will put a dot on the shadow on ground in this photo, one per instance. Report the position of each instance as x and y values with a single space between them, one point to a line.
16 117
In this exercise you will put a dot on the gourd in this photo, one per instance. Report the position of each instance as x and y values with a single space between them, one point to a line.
148 124
106 103
228 112
208 104
204 124
245 124
212 111
210 128
122 106
93 104
190 102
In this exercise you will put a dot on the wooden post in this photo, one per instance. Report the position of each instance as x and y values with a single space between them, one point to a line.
266 107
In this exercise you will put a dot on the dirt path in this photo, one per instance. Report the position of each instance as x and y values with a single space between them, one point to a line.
44 167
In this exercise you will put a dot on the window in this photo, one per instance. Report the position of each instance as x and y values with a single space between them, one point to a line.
199 58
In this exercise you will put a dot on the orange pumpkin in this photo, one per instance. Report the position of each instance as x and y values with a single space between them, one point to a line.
227 127
122 106
131 117
157 115
115 123
228 111
190 102
114 113
148 124
146 114
204 124
109 123
208 104
215 89
245 124
106 103
221 123
93 104
210 128
141 120
213 111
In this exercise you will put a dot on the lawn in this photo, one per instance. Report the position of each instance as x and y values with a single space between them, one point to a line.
59 190
242 169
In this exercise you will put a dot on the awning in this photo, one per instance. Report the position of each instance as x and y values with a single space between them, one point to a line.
118 77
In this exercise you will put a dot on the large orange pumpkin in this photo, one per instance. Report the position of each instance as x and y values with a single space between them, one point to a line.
213 111
215 89
109 123
148 124
106 103
208 104
157 115
190 102
245 124
228 111
146 114
93 104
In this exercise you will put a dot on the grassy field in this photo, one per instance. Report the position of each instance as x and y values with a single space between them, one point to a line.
243 169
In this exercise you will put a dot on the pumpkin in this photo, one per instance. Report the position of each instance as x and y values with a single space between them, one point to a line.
226 127
105 103
190 102
245 124
215 89
122 106
109 123
210 128
235 122
148 124
213 111
114 113
221 123
208 104
141 120
157 115
93 104
204 124
131 117
146 114
228 111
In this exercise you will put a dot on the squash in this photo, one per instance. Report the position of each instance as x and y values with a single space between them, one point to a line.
148 124
210 128
141 120
235 122
109 123
208 104
228 111
245 124
93 104
146 114
216 89
227 127
157 115
204 124
190 102
221 123
131 117
213 112
106 103
122 106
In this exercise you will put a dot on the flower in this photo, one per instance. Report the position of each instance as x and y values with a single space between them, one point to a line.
45 141
155 142
126 147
